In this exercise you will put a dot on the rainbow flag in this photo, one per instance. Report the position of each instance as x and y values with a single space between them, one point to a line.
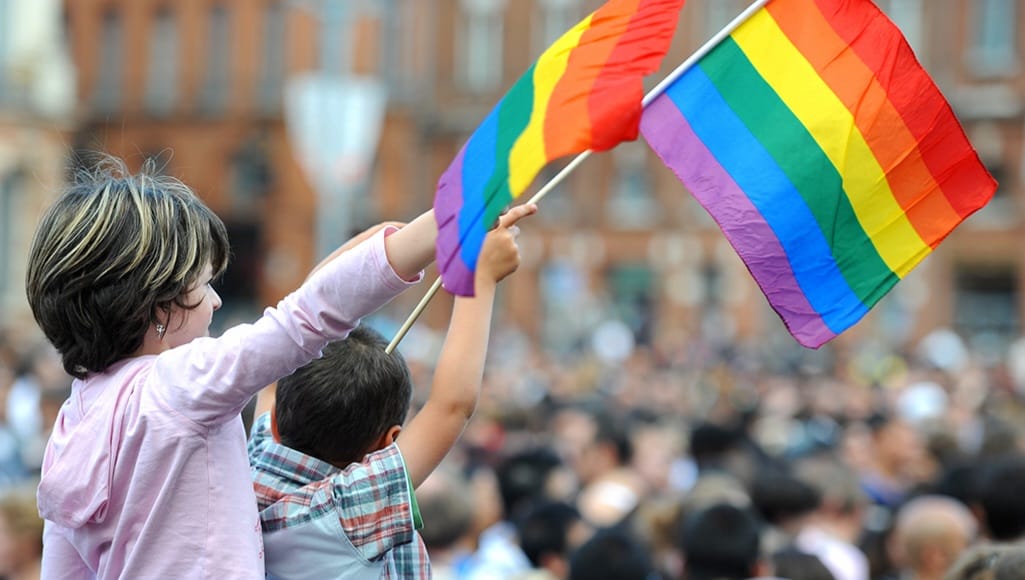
584 92
826 154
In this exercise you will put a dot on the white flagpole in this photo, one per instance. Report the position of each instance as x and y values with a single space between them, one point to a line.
413 316
705 49
555 181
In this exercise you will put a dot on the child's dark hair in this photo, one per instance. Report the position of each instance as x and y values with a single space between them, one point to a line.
113 251
336 407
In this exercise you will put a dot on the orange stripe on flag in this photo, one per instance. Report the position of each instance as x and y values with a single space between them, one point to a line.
586 62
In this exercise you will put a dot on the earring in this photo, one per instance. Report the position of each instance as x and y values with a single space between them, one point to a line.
161 329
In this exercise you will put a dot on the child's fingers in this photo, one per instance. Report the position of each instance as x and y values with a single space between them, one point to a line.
515 214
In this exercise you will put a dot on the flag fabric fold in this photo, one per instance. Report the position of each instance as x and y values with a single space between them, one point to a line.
583 93
826 154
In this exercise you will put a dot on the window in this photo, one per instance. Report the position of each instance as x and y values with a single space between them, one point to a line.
712 283
162 74
107 92
479 47
272 76
631 288
251 177
988 139
5 23
994 41
555 17
5 9
630 204
7 221
218 57
986 303
405 57
12 196
907 15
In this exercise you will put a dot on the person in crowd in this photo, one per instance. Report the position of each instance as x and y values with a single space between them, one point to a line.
40 371
145 474
717 448
929 534
833 530
21 535
896 448
12 467
335 466
1010 565
610 489
447 521
523 478
51 399
978 562
793 564
721 542
549 531
1000 496
785 504
612 554
656 523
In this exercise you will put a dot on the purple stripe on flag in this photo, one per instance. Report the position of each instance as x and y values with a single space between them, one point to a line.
672 138
456 277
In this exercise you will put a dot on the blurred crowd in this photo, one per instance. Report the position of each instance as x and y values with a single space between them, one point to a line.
677 458
33 386
691 458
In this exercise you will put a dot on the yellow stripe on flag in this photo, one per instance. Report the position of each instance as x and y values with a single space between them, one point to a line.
527 156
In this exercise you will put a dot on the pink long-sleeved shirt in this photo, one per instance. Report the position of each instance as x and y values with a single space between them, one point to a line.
146 474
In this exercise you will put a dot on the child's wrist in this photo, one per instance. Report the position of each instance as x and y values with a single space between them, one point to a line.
484 283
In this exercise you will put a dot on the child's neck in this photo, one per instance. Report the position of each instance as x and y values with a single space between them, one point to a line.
151 345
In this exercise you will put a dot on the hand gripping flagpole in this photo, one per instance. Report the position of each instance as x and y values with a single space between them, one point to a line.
559 177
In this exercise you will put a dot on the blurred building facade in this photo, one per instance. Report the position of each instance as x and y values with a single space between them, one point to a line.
36 82
620 237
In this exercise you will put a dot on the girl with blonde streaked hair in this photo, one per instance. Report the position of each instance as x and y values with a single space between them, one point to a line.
146 475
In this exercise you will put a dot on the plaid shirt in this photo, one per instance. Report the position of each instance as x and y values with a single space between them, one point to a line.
372 501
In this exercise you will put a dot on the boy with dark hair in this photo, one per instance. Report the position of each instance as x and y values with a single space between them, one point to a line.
333 483
316 415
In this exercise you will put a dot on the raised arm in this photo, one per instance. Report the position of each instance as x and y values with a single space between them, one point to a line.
411 249
457 378
209 380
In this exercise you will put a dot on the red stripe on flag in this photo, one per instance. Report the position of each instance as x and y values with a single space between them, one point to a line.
615 100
